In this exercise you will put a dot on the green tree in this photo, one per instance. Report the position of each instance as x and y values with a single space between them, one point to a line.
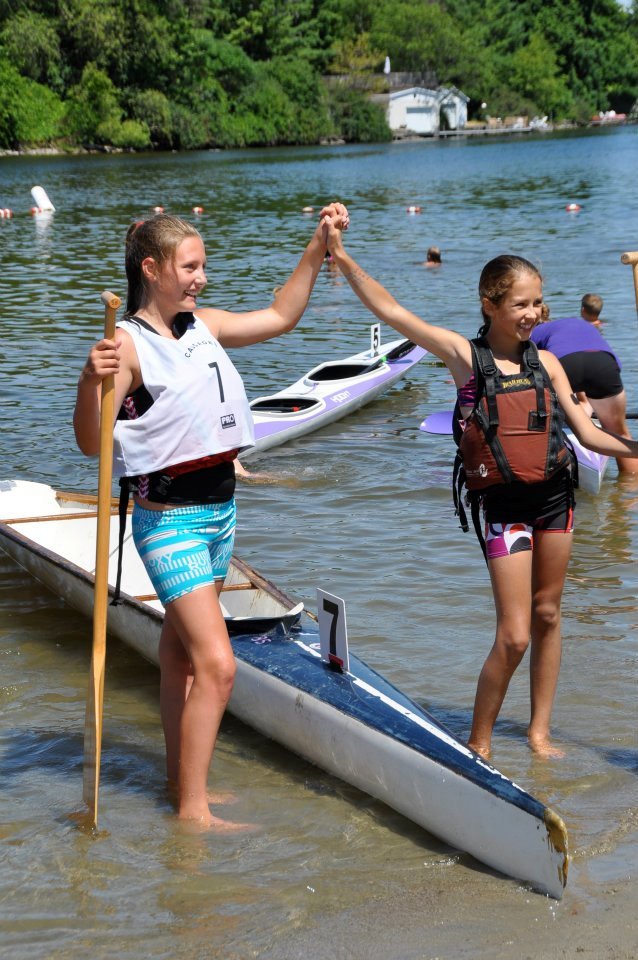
30 114
153 109
190 73
307 96
416 36
94 113
355 118
356 56
31 43
203 57
94 31
533 73
270 28
93 108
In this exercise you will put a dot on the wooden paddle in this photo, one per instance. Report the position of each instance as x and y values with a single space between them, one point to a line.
632 258
95 696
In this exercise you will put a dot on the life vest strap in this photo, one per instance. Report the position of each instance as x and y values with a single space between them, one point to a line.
122 511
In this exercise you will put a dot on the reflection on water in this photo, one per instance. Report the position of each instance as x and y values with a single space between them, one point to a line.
363 510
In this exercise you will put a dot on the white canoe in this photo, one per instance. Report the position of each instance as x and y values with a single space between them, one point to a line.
328 392
591 466
353 724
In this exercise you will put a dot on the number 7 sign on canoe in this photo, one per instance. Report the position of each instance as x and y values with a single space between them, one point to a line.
333 635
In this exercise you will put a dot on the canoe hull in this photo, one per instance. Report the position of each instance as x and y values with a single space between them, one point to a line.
426 790
354 725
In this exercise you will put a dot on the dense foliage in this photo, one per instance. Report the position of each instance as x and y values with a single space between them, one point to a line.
194 73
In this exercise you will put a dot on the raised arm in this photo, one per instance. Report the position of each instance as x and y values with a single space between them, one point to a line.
107 357
591 436
452 348
241 329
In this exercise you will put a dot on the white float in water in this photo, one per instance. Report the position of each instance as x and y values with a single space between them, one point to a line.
41 199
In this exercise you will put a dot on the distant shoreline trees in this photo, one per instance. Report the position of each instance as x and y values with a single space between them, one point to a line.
187 74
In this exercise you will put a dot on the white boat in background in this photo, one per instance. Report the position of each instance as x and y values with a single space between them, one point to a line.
329 392
591 466
353 724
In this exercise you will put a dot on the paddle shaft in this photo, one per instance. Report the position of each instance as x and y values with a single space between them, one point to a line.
95 696
632 258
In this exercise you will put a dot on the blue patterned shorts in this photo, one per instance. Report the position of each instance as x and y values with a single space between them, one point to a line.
184 548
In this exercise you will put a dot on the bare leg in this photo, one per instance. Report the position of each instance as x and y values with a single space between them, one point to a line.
611 413
176 678
511 586
193 703
550 559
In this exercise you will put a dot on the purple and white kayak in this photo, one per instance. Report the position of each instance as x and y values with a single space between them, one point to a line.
591 466
352 723
329 392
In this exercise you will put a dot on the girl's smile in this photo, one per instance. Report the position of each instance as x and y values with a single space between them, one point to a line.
520 309
183 279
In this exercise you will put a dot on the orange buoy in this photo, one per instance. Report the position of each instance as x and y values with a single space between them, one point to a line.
414 209
5 213
573 207
198 210
158 209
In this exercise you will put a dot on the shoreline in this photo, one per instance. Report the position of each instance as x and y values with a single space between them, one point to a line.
398 136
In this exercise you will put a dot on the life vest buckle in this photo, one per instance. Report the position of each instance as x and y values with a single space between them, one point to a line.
537 420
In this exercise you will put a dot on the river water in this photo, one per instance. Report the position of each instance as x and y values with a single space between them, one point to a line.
362 509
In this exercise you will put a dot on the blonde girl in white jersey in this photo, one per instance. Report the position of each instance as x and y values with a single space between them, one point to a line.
183 416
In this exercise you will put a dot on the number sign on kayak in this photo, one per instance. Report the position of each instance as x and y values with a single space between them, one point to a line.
333 636
375 339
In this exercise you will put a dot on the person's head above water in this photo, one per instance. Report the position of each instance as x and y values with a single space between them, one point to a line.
433 255
590 307
158 239
498 277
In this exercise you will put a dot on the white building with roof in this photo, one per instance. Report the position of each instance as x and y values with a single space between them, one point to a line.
416 108
453 106
420 110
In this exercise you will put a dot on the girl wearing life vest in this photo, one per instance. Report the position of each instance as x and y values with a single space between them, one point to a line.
516 462
183 417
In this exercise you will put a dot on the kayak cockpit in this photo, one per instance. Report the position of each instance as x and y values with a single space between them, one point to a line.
285 404
330 372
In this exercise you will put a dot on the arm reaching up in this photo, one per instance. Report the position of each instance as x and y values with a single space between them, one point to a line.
452 348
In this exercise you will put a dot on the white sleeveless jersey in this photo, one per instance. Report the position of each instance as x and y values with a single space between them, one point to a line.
199 403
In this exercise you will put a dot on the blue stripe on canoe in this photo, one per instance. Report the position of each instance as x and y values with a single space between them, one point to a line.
285 658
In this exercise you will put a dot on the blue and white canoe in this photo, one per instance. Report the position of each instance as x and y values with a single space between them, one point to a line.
353 724
591 466
329 392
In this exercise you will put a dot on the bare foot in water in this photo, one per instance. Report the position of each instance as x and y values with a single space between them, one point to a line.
217 797
544 748
480 748
221 797
216 824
